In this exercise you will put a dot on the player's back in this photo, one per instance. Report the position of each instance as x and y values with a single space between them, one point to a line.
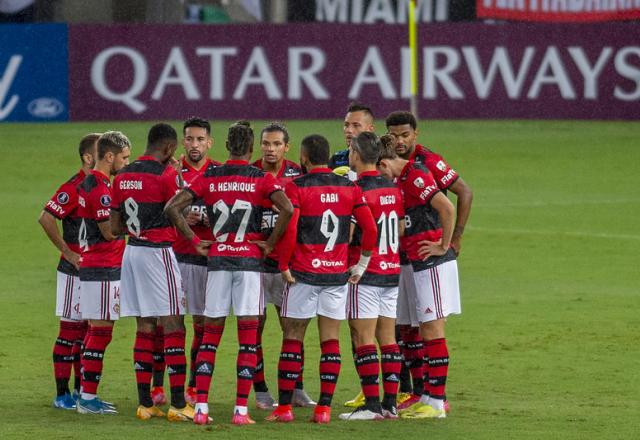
141 190
385 202
326 202
234 194
94 198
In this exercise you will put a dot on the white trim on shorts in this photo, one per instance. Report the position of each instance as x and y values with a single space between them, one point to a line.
68 297
241 291
438 292
406 307
194 280
100 300
370 302
151 284
305 301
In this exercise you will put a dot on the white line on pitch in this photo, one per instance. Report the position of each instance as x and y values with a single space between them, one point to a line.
548 232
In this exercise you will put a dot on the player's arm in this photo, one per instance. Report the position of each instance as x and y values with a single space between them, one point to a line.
116 222
464 197
106 230
366 222
50 226
446 211
287 246
173 210
282 203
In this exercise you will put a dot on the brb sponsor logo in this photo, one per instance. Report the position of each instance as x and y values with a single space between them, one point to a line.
316 263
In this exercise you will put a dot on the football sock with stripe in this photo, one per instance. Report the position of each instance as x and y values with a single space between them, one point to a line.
143 366
329 370
158 357
405 376
63 354
300 381
437 371
368 367
93 357
198 332
206 360
259 384
413 357
246 361
289 369
391 361
176 362
78 348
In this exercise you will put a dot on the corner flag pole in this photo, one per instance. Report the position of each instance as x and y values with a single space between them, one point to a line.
413 48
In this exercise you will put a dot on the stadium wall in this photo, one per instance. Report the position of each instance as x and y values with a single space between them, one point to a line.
309 71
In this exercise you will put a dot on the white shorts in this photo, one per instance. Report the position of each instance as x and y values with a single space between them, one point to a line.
240 290
150 283
273 287
369 302
406 311
438 292
304 301
68 297
194 279
100 300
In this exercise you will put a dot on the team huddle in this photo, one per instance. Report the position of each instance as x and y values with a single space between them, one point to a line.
367 235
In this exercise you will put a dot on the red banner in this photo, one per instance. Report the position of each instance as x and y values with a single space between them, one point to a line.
559 10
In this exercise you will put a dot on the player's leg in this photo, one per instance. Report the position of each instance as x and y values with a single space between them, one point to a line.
299 305
78 348
404 318
157 390
390 356
143 349
198 334
264 400
331 311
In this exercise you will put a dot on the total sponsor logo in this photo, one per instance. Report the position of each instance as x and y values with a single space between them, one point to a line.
228 248
316 263
384 265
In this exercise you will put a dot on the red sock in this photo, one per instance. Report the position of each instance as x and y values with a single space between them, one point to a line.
413 352
92 359
289 369
368 368
438 368
329 370
300 381
176 365
143 365
78 348
391 360
198 331
63 356
206 360
246 362
258 375
158 357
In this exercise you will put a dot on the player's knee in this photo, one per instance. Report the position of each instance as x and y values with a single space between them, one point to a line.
172 323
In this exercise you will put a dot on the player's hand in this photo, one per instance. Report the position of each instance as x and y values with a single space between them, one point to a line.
287 277
265 247
176 164
355 278
72 258
193 218
455 244
205 220
202 248
430 249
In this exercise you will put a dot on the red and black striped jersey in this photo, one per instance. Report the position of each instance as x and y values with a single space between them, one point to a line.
316 246
288 171
140 191
64 206
101 258
183 248
421 219
385 202
234 195
443 174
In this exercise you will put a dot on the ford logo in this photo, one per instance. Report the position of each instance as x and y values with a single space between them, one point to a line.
45 107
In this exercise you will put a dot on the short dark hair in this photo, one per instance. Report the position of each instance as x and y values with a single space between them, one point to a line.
401 118
194 121
239 139
387 145
244 122
366 144
274 127
316 148
359 107
112 142
87 143
159 134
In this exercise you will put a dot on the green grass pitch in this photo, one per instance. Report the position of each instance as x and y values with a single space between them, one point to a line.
546 347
